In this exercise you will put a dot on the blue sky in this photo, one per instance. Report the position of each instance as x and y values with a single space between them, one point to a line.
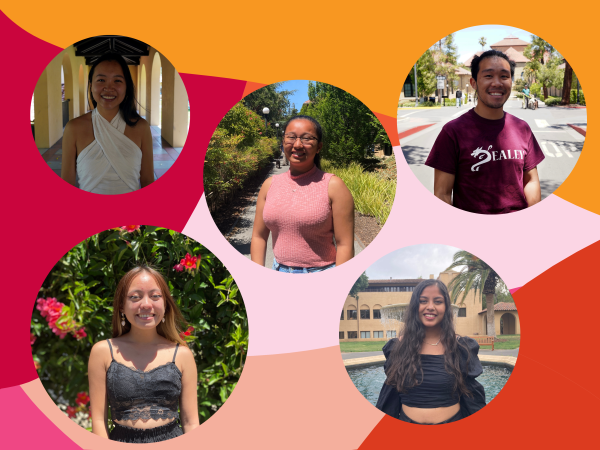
301 95
467 39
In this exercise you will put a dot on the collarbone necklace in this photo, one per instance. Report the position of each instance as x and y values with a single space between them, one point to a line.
437 343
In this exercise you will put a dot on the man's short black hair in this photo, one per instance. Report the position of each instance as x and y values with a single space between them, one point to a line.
491 54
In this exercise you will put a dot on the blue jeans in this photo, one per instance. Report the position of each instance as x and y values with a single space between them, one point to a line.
459 101
287 269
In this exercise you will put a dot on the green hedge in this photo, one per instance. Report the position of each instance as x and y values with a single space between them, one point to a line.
552 101
84 280
574 97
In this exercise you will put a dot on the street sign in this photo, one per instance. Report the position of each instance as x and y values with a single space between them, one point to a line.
441 77
440 84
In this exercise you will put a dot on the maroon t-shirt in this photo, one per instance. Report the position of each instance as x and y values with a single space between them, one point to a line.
488 159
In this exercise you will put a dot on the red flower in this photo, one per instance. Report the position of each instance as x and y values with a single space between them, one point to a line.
187 333
79 334
71 411
179 267
32 338
82 398
181 335
37 365
189 262
130 228
191 329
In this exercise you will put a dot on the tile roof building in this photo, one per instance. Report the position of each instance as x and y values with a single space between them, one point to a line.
360 319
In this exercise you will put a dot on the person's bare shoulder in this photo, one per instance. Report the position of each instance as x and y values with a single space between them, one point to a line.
143 124
266 185
100 352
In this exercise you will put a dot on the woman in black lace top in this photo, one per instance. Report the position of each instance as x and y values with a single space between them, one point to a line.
145 373
430 370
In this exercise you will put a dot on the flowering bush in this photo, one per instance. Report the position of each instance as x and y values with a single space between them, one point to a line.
77 295
59 318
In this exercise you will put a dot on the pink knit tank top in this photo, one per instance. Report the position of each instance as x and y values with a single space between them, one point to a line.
298 213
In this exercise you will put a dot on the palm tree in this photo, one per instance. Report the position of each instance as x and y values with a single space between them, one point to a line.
477 275
482 42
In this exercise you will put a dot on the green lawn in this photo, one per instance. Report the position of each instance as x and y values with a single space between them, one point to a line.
506 342
366 346
503 342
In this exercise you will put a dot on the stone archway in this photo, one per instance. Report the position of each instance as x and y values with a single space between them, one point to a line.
155 92
82 86
143 92
507 324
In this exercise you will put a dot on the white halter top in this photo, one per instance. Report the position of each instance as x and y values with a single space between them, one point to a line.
111 164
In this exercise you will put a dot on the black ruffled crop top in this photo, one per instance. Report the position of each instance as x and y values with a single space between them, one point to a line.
390 400
134 394
436 390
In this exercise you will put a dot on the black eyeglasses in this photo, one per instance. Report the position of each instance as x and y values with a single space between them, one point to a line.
306 140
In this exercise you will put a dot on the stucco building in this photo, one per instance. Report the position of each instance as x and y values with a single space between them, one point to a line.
361 319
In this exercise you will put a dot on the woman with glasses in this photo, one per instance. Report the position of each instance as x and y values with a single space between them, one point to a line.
305 208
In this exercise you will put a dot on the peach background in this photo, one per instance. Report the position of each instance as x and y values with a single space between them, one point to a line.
294 392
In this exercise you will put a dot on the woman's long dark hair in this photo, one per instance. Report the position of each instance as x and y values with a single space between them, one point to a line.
127 106
318 129
405 370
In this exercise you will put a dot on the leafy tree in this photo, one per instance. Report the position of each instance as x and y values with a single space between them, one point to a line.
349 127
447 61
83 284
475 275
550 75
503 294
426 82
360 285
482 42
541 53
273 97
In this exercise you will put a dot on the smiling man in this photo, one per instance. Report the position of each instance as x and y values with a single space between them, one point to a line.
486 160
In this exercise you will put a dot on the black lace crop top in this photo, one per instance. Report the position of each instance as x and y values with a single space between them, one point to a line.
134 394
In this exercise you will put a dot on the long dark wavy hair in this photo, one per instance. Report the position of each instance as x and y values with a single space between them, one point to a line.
405 370
318 129
127 106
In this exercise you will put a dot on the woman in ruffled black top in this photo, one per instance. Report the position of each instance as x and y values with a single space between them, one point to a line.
146 371
430 370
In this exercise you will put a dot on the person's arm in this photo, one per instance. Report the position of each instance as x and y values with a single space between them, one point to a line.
443 183
260 232
97 366
188 401
68 171
531 187
342 210
147 172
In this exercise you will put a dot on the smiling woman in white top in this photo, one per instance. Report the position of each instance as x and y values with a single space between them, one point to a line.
110 148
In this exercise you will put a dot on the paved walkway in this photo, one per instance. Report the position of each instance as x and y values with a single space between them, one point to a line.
164 155
240 234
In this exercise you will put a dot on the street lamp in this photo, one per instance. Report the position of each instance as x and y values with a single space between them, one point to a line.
467 86
265 112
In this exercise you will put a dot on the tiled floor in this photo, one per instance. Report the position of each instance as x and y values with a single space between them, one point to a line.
164 155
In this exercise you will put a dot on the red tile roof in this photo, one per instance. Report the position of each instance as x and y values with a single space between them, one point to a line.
409 282
502 306
509 41
515 55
